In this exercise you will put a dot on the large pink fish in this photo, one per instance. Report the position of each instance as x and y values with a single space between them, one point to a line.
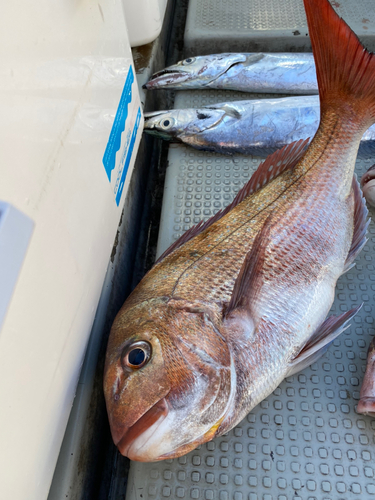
240 302
366 403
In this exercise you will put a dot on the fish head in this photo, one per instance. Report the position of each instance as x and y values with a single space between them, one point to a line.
368 185
168 381
194 71
366 403
179 124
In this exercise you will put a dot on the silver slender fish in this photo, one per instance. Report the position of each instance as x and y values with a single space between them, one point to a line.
254 72
256 127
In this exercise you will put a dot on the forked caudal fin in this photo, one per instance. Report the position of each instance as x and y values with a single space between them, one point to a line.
345 69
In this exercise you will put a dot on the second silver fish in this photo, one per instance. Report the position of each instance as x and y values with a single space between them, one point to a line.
256 127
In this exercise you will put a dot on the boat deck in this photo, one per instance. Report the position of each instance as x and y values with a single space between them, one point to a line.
215 26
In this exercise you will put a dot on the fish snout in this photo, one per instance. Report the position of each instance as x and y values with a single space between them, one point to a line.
366 406
165 79
132 441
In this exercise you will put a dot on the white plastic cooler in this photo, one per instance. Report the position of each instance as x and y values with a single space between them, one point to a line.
144 19
69 131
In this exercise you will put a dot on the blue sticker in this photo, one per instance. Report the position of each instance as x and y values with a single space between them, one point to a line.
128 157
118 127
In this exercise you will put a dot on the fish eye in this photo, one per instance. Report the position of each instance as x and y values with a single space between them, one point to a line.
136 355
189 60
167 123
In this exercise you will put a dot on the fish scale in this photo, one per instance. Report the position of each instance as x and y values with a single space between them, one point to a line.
206 269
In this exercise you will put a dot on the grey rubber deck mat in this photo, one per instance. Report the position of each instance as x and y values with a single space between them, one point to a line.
305 441
265 25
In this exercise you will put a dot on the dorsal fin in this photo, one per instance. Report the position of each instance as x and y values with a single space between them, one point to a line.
275 164
360 225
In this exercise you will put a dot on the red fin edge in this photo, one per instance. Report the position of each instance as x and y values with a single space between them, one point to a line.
275 164
345 69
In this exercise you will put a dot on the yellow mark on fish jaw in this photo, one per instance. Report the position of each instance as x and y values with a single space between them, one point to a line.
210 434
182 450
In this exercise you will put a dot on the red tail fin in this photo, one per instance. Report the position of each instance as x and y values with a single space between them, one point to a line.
345 69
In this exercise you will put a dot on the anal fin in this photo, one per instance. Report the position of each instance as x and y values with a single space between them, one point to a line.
319 342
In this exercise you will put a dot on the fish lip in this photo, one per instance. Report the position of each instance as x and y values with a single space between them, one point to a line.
366 406
166 78
158 412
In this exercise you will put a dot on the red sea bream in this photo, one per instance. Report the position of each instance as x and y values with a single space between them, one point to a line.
240 302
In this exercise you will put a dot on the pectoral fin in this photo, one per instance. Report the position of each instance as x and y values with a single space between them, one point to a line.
228 110
319 342
249 279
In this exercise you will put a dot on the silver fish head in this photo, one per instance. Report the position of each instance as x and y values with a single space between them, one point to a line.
176 124
199 70
169 380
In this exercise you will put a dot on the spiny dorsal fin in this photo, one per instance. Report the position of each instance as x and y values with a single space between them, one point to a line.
319 342
249 279
360 225
275 164
187 236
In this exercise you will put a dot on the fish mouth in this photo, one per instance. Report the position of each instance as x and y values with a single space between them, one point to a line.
366 406
125 443
368 176
166 78
136 442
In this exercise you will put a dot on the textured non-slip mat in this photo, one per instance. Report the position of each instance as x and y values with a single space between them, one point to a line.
214 26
